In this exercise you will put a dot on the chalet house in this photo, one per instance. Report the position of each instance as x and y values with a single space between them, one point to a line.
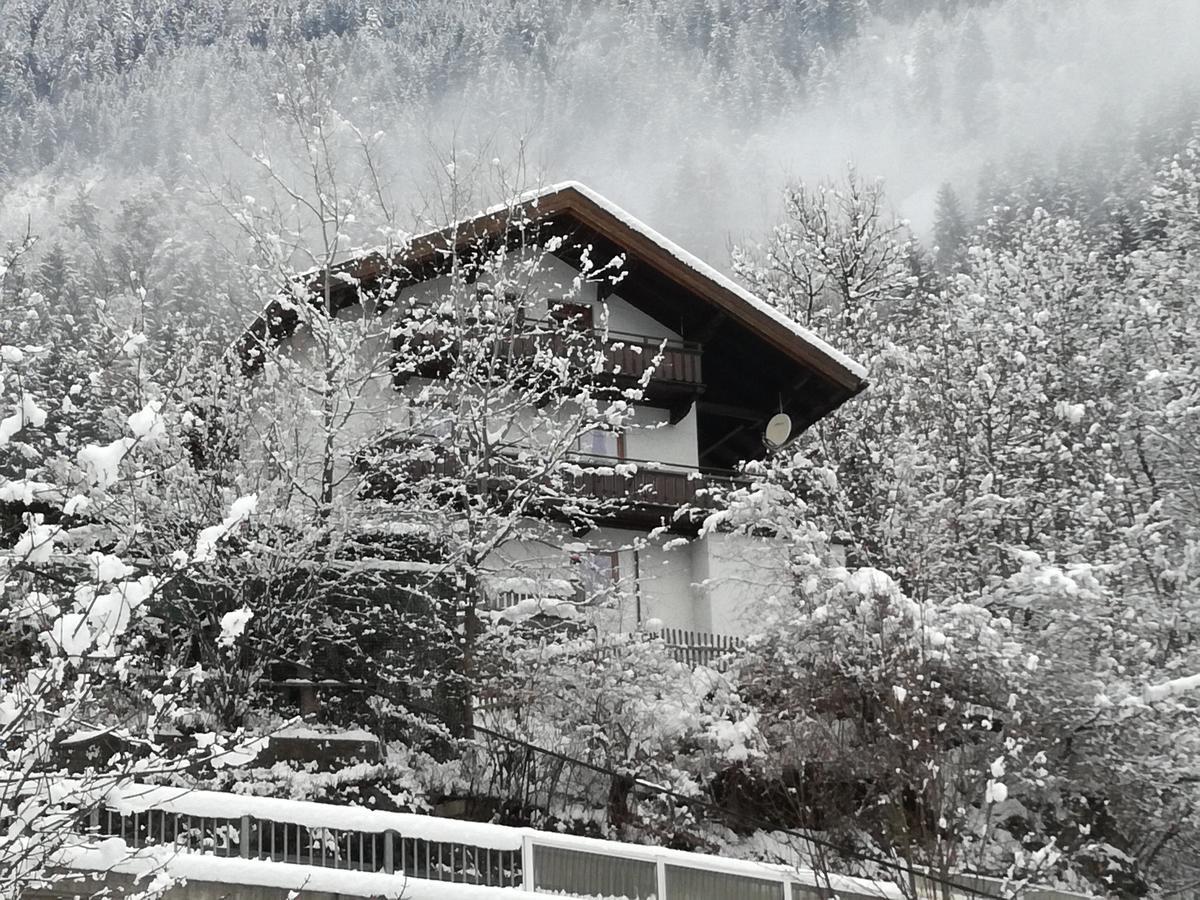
727 362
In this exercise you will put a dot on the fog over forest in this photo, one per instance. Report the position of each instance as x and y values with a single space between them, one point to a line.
881 561
693 115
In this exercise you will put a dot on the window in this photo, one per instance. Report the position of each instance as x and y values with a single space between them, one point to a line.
603 442
598 572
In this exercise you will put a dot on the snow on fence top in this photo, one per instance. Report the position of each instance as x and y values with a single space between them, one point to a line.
217 805
467 836
429 858
165 864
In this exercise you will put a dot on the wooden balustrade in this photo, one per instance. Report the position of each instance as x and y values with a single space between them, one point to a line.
639 493
628 356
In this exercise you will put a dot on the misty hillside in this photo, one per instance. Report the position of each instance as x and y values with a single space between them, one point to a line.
812 480
692 114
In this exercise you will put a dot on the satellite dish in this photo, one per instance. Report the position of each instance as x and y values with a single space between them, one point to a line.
779 429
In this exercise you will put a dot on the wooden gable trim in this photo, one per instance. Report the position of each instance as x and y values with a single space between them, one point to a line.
775 333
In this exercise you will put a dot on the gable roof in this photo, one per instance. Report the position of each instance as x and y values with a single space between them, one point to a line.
724 293
757 348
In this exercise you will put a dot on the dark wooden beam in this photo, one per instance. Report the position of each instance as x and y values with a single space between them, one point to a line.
758 424
729 411
709 331
736 431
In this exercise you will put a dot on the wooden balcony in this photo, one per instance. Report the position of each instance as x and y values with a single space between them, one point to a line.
631 355
676 378
642 494
626 493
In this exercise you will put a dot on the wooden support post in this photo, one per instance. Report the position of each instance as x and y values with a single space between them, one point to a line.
244 834
389 852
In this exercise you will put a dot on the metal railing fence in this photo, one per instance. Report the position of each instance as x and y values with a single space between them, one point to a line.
472 853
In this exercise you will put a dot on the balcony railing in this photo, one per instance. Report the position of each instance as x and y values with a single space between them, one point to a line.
650 484
628 356
636 492
632 354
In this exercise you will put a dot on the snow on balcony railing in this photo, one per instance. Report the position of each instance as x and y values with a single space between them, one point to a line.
409 846
612 483
628 356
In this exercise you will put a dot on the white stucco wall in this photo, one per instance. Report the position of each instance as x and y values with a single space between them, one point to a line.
655 581
737 579
666 583
291 415
651 437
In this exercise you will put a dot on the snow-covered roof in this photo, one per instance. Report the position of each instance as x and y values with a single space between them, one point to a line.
581 203
704 270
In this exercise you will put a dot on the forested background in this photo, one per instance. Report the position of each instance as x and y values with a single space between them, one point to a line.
693 115
1018 623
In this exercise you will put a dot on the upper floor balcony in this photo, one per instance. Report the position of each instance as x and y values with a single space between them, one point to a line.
674 381
582 490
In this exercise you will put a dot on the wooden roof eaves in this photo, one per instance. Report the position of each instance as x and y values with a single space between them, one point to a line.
727 301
